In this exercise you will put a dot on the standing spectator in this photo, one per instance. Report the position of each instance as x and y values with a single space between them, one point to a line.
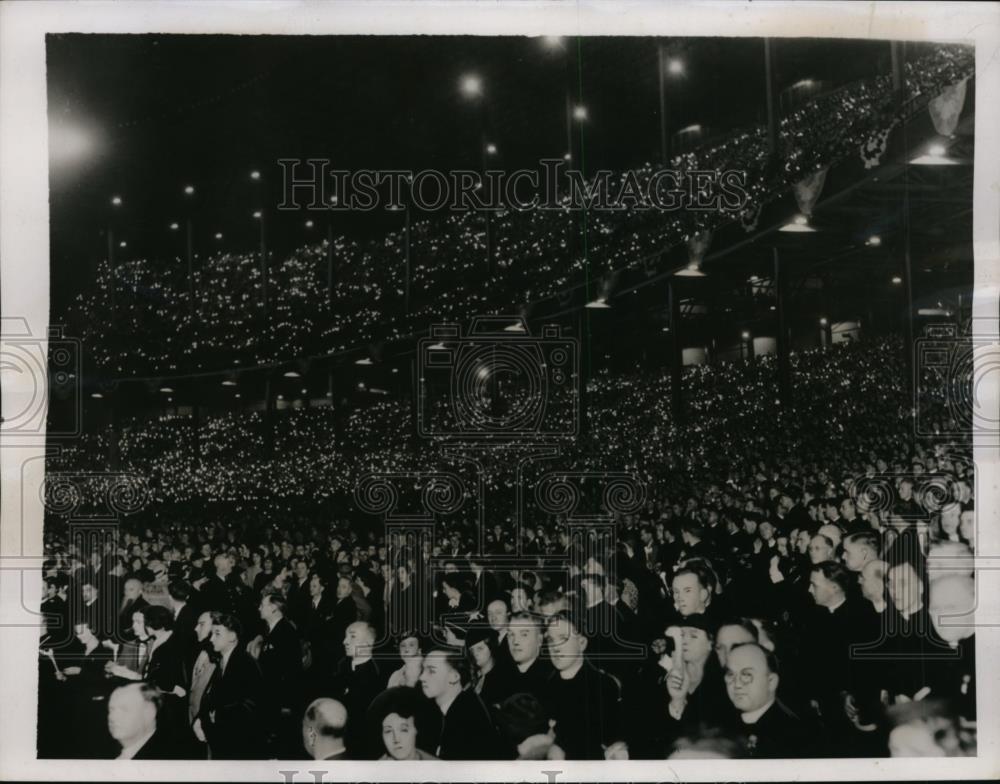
229 719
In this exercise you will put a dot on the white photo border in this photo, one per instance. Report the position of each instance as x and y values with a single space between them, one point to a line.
24 275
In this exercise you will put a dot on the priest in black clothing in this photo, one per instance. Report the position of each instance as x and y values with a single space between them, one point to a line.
357 682
585 702
769 729
531 670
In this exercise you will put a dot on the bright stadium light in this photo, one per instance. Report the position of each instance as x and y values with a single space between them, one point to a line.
798 225
229 383
166 390
257 214
309 224
189 190
292 374
471 86
936 155
491 149
363 361
580 113
874 241
692 270
896 280
553 42
745 335
174 226
255 175
116 201
675 66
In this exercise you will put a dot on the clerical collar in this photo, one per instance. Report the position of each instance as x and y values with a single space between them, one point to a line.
571 672
752 717
358 661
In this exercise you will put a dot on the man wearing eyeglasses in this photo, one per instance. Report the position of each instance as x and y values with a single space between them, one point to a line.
771 731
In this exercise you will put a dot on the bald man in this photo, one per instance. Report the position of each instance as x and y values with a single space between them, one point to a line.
952 603
132 720
323 727
357 682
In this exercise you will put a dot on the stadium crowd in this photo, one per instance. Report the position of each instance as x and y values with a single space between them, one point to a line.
220 318
797 583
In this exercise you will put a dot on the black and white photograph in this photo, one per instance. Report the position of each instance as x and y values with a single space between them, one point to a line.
620 401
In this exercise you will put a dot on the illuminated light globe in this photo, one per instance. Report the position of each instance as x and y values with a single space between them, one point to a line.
471 86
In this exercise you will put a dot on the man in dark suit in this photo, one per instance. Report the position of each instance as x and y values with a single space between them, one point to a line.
132 722
323 730
769 729
466 730
584 701
343 614
185 617
228 720
531 670
357 681
952 600
132 601
279 656
830 630
58 632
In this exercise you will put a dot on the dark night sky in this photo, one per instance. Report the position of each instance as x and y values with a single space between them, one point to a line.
164 111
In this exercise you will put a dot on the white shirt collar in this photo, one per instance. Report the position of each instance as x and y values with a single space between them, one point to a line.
133 748
752 717
834 607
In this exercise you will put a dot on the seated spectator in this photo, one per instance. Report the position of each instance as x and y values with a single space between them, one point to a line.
467 732
397 715
323 730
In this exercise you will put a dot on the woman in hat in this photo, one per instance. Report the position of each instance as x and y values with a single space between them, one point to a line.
410 649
